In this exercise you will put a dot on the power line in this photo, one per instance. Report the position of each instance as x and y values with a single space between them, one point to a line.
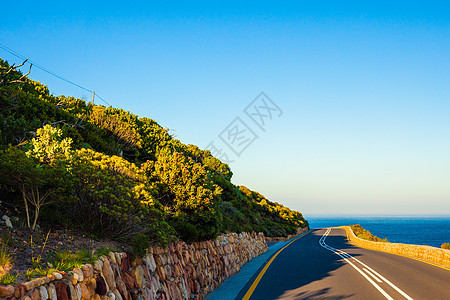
96 95
18 55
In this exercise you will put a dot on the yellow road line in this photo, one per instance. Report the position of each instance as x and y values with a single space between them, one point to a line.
261 274
415 258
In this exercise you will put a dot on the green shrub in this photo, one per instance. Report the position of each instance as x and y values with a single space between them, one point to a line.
365 234
197 225
111 174
140 244
233 219
445 246
113 196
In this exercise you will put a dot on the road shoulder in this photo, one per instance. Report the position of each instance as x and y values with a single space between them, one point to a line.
231 287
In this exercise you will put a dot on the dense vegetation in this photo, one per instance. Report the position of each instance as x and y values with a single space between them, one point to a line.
365 234
71 164
445 246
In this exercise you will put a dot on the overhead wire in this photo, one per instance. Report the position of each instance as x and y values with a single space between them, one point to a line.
96 95
18 55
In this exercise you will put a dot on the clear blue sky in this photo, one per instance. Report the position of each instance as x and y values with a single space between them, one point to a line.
364 88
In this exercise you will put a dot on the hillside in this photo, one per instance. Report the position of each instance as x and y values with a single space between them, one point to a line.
107 172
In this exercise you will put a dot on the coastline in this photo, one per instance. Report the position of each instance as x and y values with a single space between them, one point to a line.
417 230
428 254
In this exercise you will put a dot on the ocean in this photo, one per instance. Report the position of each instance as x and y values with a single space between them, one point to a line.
419 230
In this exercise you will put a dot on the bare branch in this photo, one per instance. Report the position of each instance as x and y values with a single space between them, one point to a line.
60 103
59 122
20 79
13 68
28 71
76 124
22 63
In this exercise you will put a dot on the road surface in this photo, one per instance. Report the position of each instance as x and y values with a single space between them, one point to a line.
324 265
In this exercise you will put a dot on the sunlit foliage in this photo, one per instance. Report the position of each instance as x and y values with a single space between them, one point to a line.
111 173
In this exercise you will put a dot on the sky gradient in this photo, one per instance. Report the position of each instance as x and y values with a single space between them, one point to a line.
364 88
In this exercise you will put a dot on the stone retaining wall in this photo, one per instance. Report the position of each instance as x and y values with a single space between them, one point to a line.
300 230
180 271
431 254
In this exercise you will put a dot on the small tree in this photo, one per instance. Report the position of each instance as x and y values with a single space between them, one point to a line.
39 173
189 193
49 147
51 153
35 182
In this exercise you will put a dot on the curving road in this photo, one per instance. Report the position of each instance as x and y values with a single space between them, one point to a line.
324 265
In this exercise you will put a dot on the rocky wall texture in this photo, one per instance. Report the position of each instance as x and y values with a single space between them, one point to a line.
180 271
427 253
300 230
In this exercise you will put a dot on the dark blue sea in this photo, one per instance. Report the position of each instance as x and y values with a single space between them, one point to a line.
426 230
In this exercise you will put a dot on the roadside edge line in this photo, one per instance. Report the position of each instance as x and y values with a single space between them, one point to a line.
385 280
346 259
261 274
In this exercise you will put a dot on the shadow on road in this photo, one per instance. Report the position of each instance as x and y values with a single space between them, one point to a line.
303 263
319 294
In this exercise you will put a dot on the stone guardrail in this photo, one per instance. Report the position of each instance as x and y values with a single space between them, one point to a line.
300 230
180 271
429 254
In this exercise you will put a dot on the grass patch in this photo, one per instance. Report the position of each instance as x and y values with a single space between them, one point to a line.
365 234
445 246
6 240
38 272
5 258
68 260
103 252
8 279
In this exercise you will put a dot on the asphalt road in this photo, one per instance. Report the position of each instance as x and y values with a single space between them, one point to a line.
324 265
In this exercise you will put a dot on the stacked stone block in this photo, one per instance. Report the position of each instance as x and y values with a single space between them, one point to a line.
431 254
300 230
180 271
